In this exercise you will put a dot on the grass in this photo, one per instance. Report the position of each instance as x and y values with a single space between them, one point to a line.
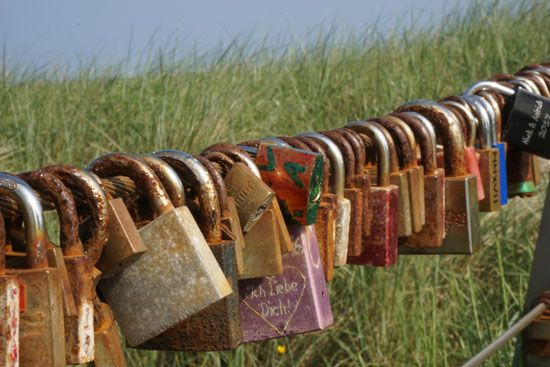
432 311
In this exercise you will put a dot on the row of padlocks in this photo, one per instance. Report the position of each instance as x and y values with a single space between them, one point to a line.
236 244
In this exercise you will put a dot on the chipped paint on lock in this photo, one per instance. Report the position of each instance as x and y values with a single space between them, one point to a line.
11 328
86 332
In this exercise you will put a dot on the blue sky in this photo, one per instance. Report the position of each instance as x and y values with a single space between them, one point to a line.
68 31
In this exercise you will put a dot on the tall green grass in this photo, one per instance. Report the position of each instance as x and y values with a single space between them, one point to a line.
433 311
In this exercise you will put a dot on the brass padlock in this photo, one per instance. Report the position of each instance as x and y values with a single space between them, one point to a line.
9 307
41 335
147 304
461 205
94 232
380 247
262 243
325 227
398 178
216 327
125 245
433 231
414 172
351 192
343 205
79 337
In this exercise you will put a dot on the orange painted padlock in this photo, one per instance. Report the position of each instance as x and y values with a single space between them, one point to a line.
380 247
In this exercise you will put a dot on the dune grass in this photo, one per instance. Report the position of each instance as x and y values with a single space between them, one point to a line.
429 311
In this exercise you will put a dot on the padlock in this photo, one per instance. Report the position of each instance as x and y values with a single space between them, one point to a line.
125 245
93 211
48 186
458 106
433 231
380 247
262 245
294 302
325 225
352 193
407 156
362 179
216 327
398 178
41 333
229 217
295 177
343 205
461 205
168 177
9 307
252 196
147 304
489 164
79 337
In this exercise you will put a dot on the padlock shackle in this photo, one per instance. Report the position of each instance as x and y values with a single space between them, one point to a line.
410 159
357 145
338 171
347 152
425 136
471 119
448 129
382 149
95 199
36 237
485 123
222 160
48 185
492 114
236 154
168 177
533 88
489 85
276 141
394 159
194 175
217 178
400 150
539 81
114 164
2 245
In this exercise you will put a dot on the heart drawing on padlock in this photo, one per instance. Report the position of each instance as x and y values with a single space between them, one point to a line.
277 298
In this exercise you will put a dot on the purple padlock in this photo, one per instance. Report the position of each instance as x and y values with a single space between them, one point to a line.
294 302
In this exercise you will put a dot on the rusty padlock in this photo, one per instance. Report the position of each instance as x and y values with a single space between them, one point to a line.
168 177
325 225
343 205
41 335
433 231
147 304
93 211
9 307
380 247
216 327
79 337
351 192
461 205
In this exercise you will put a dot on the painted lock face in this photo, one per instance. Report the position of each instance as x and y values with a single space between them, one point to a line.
42 331
380 247
148 304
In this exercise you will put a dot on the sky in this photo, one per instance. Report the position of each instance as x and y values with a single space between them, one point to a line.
69 32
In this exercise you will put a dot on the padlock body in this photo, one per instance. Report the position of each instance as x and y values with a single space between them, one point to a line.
404 224
342 221
489 167
108 347
216 327
262 252
503 175
252 196
292 303
520 169
41 333
325 230
380 248
282 230
232 220
415 176
146 303
125 245
433 232
79 328
471 160
362 182
9 321
355 197
461 216
55 260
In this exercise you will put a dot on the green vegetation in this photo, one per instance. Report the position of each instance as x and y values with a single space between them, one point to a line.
425 311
